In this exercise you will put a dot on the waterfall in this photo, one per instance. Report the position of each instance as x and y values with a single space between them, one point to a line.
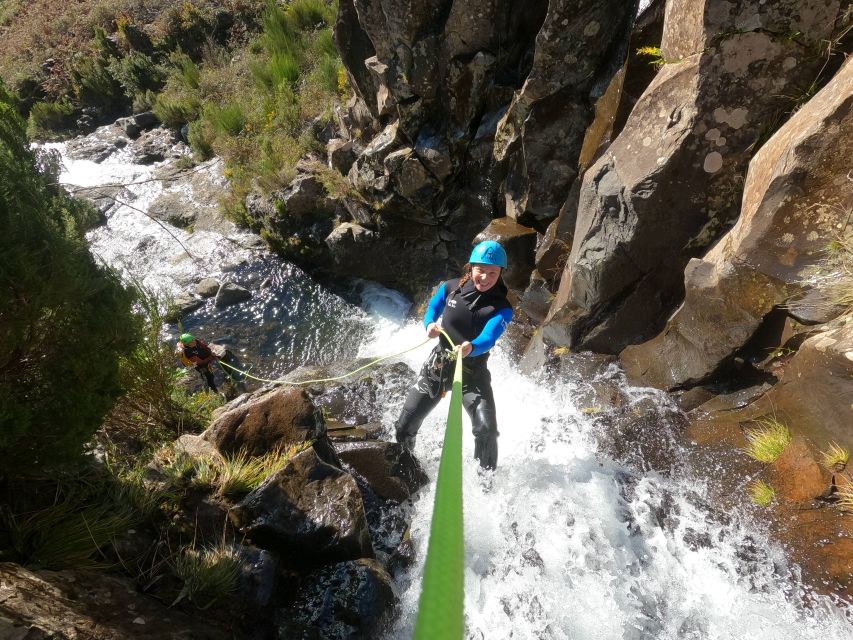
561 541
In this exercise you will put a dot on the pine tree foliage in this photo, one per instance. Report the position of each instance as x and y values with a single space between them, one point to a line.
64 319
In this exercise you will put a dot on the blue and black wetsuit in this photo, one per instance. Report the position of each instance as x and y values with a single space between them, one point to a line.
480 318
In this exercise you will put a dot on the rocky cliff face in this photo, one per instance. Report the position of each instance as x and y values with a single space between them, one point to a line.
670 184
463 114
797 197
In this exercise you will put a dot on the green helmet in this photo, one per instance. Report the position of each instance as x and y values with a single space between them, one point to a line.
186 338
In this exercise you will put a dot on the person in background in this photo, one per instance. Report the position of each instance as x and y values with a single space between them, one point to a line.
196 352
474 311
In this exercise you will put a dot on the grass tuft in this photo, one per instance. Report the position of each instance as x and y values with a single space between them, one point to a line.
836 458
761 493
209 574
768 440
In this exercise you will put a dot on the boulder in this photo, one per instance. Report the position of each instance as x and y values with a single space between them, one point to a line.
183 304
195 446
310 511
520 244
671 183
230 293
146 120
88 604
391 471
797 198
130 128
265 421
340 602
207 288
174 208
297 219
154 145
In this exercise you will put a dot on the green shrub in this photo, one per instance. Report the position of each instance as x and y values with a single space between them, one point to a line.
47 118
176 112
281 67
309 14
137 73
186 26
65 319
200 139
94 84
229 119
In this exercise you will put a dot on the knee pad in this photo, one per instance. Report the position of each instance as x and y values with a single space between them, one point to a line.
484 422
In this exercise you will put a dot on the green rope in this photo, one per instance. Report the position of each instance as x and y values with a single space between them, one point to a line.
440 611
346 375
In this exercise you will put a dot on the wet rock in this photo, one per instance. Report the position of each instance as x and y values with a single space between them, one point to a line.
175 209
192 195
146 120
795 201
310 511
815 387
130 128
183 304
265 421
154 145
207 288
91 148
814 306
670 184
258 576
392 472
796 475
106 198
230 293
347 600
340 431
360 399
642 433
88 604
520 244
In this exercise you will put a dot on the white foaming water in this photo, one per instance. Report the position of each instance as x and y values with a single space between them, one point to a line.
561 543
161 257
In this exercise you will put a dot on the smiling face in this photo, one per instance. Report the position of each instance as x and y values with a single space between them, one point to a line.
485 276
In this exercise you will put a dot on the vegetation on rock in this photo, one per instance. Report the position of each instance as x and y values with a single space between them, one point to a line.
767 440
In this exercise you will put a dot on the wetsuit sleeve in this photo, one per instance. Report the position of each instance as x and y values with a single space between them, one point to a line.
436 305
493 330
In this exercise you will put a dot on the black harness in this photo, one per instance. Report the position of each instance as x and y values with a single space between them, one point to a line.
466 312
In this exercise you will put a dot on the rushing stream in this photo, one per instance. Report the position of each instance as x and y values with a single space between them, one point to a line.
561 542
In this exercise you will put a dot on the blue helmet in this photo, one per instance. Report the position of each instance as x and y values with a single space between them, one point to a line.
489 252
